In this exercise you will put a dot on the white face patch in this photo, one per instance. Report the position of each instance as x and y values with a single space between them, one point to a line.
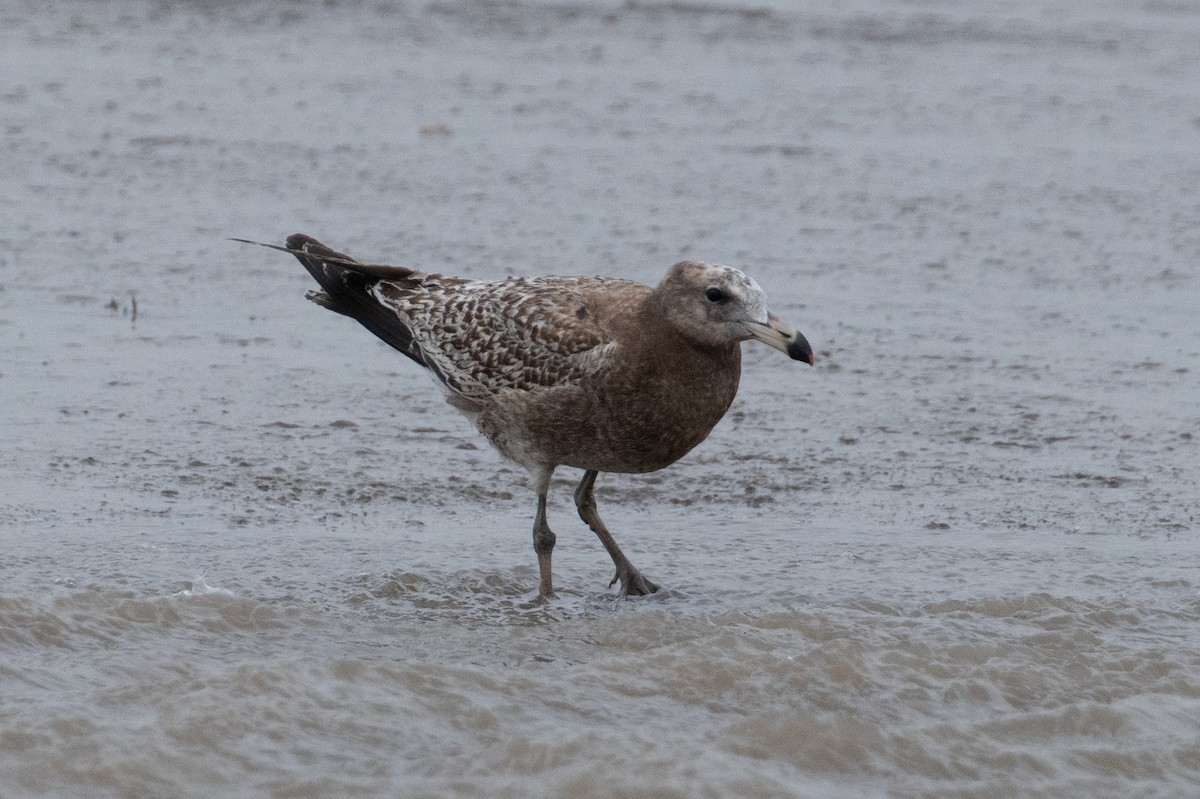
740 286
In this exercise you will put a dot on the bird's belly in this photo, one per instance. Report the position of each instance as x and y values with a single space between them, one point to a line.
587 430
637 443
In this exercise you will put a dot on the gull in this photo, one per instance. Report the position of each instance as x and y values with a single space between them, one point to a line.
597 373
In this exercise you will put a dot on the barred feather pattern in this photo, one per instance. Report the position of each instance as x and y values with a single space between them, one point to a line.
521 333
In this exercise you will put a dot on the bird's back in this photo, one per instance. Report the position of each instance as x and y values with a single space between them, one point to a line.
483 339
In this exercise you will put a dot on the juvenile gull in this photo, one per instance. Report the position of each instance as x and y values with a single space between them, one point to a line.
598 373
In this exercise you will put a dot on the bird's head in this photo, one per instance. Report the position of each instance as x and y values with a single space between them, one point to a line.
715 305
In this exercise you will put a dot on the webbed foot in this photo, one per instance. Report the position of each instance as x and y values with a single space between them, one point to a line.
632 581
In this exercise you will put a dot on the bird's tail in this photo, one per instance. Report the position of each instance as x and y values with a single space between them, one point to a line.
346 288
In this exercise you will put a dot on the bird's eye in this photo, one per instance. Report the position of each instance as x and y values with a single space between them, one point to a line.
714 294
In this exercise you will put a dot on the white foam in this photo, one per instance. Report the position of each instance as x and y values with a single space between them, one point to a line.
199 587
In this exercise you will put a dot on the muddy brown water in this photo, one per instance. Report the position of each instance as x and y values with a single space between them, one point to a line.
249 551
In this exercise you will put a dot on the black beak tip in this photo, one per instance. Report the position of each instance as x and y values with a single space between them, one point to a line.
800 350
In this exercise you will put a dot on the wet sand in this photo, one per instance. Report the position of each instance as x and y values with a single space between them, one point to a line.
248 549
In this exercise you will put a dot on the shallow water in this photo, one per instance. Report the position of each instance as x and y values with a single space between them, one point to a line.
249 551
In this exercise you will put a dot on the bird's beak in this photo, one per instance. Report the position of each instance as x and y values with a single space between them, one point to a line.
783 338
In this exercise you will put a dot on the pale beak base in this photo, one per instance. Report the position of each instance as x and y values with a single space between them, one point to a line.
783 338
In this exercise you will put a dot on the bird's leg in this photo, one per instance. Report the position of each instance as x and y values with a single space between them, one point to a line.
632 581
543 536
543 545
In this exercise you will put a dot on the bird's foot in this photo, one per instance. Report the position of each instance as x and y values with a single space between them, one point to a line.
632 581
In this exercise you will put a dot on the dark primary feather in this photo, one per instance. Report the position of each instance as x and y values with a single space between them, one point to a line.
346 288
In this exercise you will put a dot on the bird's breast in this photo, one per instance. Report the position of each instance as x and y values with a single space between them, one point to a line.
640 420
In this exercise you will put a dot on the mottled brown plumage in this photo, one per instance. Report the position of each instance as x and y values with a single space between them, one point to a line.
601 374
